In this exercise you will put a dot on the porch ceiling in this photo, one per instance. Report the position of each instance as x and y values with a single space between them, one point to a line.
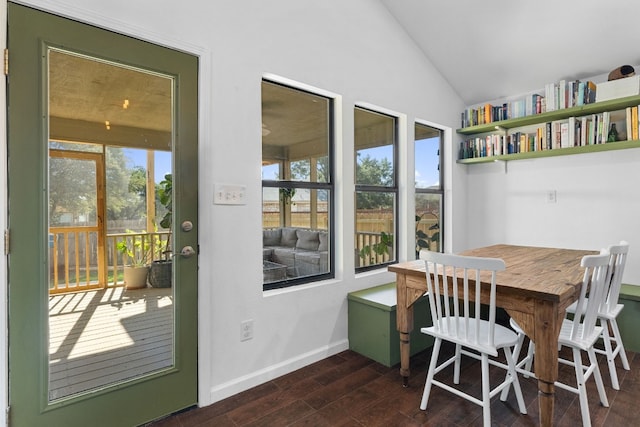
85 94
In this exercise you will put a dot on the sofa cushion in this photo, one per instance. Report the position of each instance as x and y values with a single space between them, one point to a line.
323 236
271 237
289 237
307 240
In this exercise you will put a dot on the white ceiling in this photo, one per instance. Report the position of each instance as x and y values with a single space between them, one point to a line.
498 48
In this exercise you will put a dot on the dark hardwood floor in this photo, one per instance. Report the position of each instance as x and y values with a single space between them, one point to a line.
351 390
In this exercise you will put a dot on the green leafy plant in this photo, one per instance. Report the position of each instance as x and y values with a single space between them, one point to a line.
165 196
137 249
286 194
423 240
379 248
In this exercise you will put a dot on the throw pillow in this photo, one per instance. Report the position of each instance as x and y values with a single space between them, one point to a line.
271 237
289 237
307 240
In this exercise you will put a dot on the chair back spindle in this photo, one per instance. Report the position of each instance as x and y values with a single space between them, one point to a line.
617 262
595 274
455 298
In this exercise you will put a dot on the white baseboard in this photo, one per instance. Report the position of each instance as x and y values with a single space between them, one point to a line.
222 391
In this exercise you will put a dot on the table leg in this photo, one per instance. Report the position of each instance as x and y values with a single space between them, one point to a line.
548 320
404 324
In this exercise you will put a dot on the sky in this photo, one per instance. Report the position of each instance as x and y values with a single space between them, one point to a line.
426 157
162 161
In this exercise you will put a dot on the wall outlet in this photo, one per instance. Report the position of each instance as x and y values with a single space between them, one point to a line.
246 330
551 196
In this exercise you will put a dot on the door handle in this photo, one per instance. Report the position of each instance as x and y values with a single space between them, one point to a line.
187 252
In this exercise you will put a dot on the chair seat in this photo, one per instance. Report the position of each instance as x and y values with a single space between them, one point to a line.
583 343
503 337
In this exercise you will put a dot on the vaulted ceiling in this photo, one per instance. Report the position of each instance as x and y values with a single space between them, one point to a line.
497 48
486 50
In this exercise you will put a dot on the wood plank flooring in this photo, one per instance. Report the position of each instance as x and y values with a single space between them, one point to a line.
107 336
351 390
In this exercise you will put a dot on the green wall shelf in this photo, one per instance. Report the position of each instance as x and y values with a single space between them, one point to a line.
609 146
598 107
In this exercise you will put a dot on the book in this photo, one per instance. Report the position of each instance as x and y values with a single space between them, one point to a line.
549 96
590 92
584 130
571 137
634 123
564 135
562 94
580 97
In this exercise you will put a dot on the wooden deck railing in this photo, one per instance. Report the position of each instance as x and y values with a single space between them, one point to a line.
369 239
74 253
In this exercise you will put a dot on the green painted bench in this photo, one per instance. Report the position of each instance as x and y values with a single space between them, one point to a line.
629 318
372 324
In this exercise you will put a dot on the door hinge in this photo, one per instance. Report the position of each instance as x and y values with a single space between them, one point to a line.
7 236
6 62
8 415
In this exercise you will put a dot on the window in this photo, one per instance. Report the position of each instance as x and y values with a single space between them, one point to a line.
429 192
376 188
297 186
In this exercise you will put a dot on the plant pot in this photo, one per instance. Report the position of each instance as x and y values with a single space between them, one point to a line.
160 274
135 277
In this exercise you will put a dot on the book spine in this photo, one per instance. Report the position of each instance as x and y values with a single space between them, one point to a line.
634 123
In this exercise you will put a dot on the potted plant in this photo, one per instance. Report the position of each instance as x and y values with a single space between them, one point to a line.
160 271
137 252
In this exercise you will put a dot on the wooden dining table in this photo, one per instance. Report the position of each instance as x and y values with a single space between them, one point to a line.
536 287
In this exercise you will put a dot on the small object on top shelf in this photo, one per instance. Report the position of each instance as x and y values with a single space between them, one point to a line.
613 133
622 72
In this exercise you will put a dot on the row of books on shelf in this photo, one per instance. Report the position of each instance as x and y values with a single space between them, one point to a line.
557 96
609 126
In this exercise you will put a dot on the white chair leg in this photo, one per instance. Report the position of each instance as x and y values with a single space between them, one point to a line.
582 389
596 375
486 390
530 351
606 338
516 355
511 363
456 365
430 373
618 338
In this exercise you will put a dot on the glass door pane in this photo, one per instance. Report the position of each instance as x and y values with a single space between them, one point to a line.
110 158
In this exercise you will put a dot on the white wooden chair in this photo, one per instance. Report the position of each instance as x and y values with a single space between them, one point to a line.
460 320
581 333
607 316
609 311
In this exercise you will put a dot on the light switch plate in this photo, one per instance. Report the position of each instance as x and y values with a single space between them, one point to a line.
229 194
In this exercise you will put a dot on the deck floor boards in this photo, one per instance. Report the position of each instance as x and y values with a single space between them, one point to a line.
101 337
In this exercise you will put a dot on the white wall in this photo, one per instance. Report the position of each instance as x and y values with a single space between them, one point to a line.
353 49
598 203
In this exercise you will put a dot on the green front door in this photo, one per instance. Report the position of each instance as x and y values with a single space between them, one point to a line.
106 355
